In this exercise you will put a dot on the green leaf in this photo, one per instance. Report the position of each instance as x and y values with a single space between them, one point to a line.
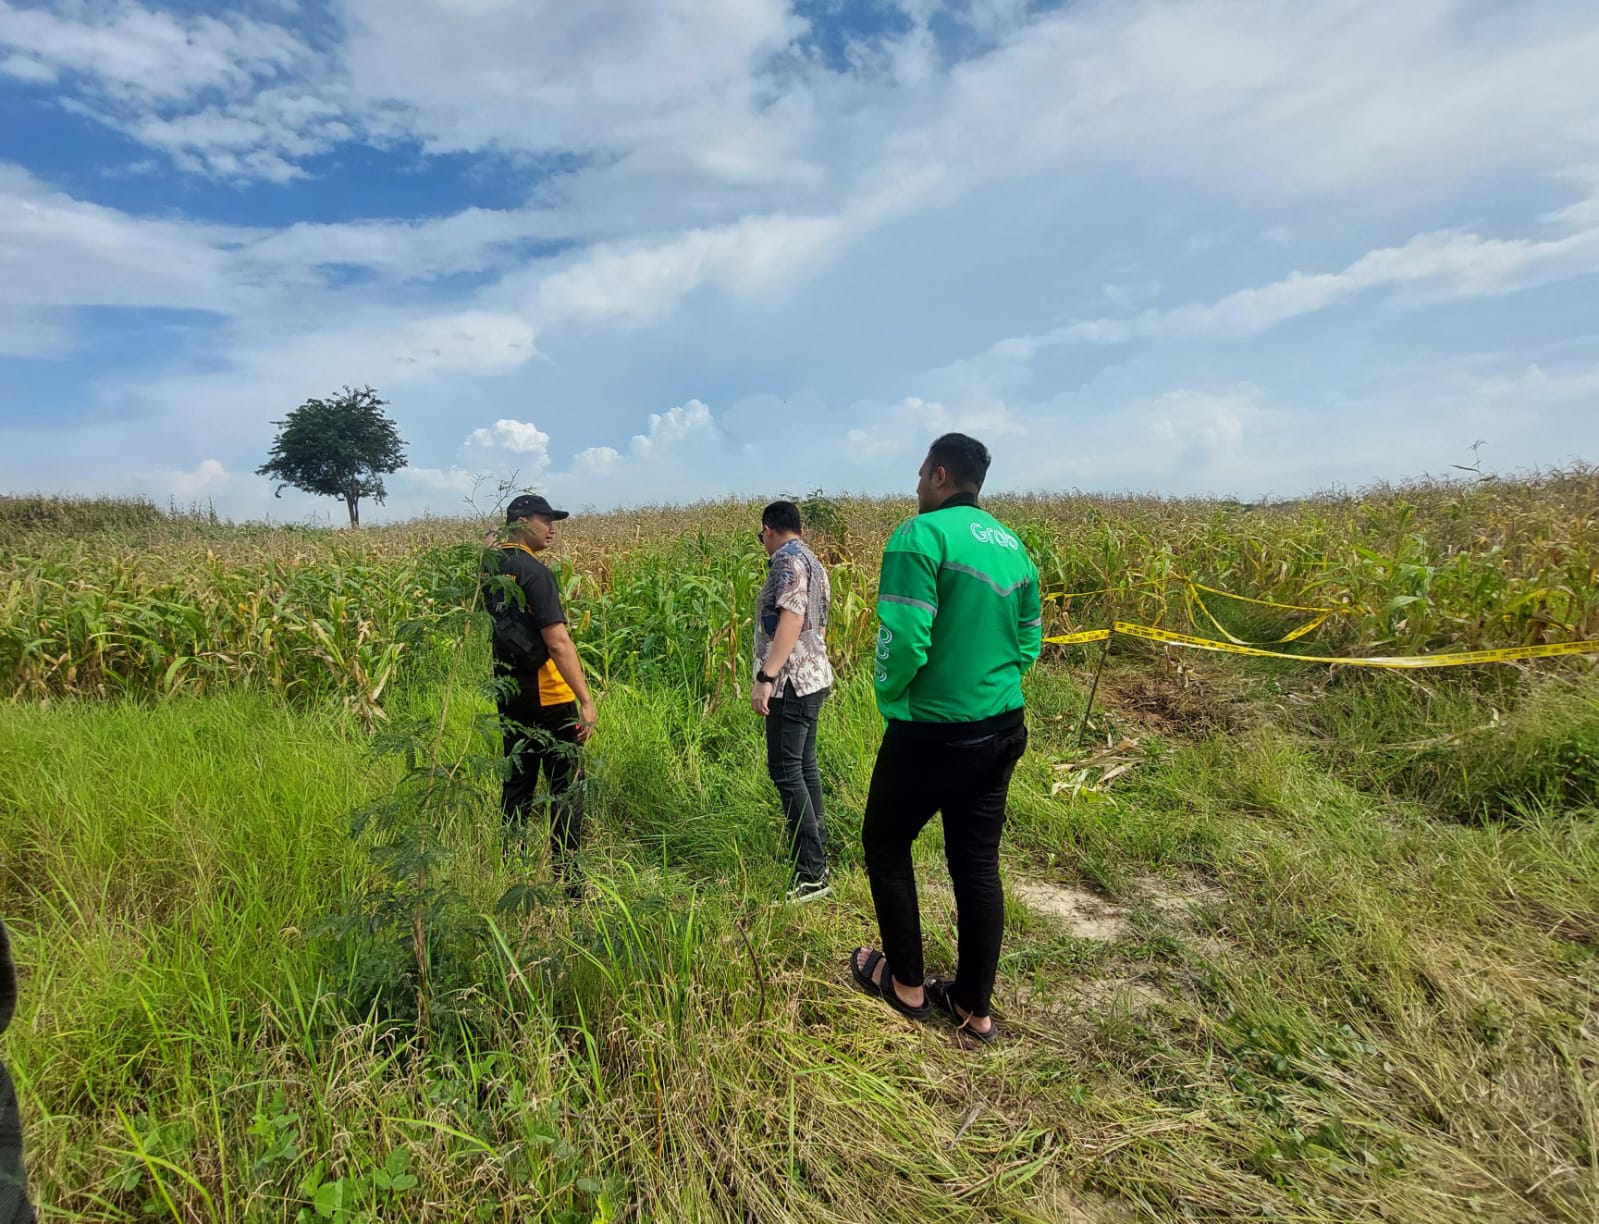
329 1199
313 1179
127 1177
517 897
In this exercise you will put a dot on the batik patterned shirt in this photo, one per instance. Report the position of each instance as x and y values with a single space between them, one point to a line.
796 582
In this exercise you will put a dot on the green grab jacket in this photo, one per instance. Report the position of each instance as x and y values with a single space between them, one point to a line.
959 615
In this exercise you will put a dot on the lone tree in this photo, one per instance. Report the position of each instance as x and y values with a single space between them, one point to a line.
338 447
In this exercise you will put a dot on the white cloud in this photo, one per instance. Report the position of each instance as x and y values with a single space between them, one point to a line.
596 461
531 76
1584 214
208 90
259 137
456 484
696 112
59 251
280 358
756 217
681 455
1228 440
906 429
1299 98
1198 420
24 68
546 75
128 49
1460 264
31 332
56 250
641 281
207 477
669 429
518 437
400 250
476 340
1537 386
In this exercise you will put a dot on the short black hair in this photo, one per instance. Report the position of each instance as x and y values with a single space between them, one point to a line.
782 516
965 459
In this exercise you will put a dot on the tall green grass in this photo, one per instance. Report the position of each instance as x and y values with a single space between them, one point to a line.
1350 975
1369 1009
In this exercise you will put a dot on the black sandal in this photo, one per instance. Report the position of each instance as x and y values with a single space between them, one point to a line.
883 990
938 991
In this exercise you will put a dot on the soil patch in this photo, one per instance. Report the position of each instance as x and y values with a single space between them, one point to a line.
1179 899
1178 902
1068 1002
1083 914
1131 993
1176 702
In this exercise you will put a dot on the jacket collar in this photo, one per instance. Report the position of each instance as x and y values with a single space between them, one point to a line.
956 499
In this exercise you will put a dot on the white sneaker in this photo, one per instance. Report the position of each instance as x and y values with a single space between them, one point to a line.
808 890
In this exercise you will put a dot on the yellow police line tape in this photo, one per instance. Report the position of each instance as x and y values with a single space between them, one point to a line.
1147 582
1060 596
1508 654
1262 603
1078 639
1192 597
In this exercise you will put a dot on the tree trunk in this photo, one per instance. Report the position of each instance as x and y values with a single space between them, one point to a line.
353 502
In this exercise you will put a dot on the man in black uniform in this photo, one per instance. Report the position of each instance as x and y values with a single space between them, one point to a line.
14 1207
545 709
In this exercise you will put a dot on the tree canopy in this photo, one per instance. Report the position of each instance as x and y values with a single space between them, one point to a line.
337 447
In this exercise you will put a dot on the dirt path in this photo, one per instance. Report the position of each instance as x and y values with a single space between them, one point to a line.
1083 914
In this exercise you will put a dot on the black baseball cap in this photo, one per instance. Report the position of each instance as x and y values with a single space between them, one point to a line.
529 504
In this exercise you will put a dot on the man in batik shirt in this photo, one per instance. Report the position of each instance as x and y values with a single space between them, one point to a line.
792 679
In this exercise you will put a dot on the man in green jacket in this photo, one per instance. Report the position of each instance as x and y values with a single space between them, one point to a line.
961 623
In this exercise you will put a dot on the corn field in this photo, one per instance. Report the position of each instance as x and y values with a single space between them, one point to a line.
103 598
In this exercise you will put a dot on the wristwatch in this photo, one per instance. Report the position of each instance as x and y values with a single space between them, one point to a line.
762 678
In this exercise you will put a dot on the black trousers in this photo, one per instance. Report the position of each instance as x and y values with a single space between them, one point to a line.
14 1207
965 774
791 761
542 738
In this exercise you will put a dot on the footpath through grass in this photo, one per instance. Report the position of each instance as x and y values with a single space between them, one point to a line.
1285 945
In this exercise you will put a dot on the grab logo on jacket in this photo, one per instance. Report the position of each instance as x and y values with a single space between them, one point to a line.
996 534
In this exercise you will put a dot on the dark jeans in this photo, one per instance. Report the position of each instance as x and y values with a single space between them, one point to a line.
14 1208
542 738
964 774
791 760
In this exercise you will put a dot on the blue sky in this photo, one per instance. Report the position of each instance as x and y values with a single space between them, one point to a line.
629 251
